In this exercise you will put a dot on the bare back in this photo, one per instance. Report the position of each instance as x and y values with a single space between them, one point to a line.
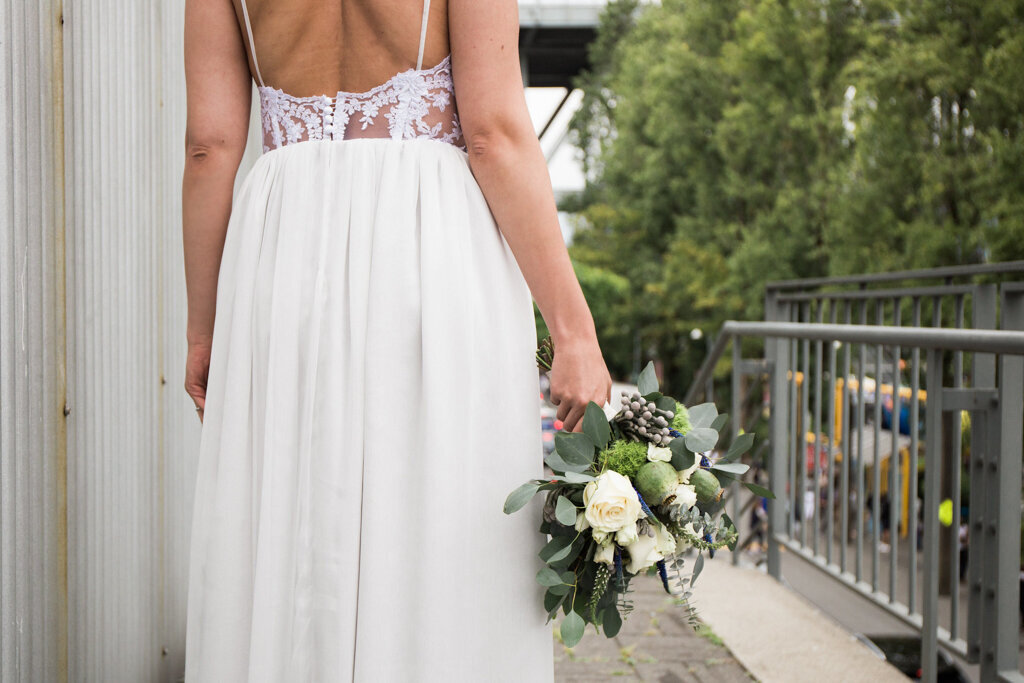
346 69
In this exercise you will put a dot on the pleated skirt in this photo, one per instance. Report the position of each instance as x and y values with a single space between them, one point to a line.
372 398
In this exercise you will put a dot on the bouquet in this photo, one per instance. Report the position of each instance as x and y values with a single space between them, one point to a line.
631 493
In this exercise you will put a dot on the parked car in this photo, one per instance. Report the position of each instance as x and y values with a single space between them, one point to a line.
904 653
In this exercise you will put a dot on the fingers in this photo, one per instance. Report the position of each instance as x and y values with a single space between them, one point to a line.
564 407
574 421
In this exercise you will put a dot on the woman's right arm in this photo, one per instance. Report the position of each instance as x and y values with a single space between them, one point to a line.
508 164
218 98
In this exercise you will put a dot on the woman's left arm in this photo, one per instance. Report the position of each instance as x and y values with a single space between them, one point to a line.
219 95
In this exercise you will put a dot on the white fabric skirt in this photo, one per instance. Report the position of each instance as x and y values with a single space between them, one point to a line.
372 399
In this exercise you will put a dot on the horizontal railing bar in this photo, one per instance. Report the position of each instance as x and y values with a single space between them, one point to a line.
925 274
955 400
856 294
863 588
983 341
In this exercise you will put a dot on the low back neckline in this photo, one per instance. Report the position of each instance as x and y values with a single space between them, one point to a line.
443 64
419 55
412 104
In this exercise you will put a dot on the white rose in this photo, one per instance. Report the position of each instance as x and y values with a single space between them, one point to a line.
686 496
626 535
684 475
655 453
600 536
610 502
605 553
643 552
581 521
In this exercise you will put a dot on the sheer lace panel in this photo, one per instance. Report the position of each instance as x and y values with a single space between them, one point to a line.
418 103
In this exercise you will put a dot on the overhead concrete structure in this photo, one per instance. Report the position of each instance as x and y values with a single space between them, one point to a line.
553 39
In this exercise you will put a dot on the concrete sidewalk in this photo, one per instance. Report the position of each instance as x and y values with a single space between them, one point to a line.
756 629
777 634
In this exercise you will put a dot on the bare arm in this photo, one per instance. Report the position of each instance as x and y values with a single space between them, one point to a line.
219 97
507 161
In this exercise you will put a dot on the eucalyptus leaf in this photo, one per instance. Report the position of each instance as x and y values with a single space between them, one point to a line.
520 497
759 491
653 397
730 467
682 459
595 425
648 379
698 566
719 422
557 544
572 629
552 601
611 621
578 477
561 554
555 462
563 559
575 448
560 589
666 403
740 446
548 577
703 415
565 511
724 478
701 439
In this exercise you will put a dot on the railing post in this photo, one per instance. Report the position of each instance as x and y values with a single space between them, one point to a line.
777 351
930 560
983 371
736 424
1001 653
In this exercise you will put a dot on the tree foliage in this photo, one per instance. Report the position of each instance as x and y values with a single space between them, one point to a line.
728 143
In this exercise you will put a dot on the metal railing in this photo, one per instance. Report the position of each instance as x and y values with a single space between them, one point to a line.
858 411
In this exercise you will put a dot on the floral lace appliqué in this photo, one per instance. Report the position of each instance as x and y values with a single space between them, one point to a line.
414 104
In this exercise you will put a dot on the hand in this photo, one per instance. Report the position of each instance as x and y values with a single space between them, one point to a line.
578 375
197 369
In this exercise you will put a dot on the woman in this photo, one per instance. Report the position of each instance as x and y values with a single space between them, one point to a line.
368 392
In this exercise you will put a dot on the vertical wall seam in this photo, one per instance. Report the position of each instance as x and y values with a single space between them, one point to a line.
60 254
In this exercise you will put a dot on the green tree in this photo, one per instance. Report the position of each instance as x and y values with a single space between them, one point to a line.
731 143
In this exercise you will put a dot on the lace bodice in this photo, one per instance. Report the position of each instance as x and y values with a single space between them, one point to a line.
418 103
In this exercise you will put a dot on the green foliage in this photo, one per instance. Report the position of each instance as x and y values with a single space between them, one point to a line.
625 457
681 420
730 143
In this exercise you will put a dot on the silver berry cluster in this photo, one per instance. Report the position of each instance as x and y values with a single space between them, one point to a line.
643 420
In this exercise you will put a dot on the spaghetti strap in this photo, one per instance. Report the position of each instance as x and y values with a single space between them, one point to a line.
252 45
423 33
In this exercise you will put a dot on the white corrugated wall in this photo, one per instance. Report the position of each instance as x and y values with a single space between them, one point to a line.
98 439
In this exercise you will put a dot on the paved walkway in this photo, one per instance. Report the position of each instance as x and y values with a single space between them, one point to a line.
770 634
655 644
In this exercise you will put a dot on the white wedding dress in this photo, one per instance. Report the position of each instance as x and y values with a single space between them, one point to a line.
372 399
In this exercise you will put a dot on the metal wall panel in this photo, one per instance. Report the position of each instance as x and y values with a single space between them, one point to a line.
32 439
98 440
